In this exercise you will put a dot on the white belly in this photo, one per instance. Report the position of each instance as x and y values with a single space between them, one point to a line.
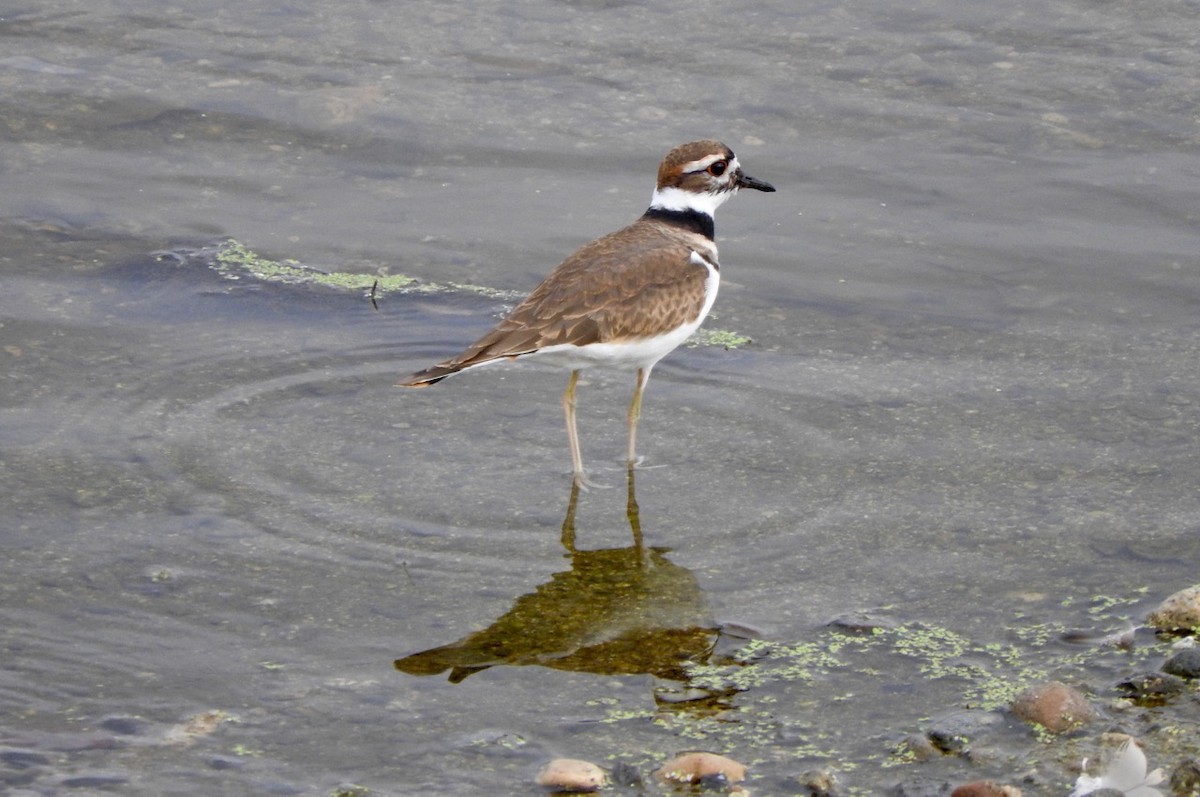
642 353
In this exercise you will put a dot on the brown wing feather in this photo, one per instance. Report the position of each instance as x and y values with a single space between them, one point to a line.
599 294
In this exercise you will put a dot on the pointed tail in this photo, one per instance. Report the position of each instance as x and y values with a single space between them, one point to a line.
427 377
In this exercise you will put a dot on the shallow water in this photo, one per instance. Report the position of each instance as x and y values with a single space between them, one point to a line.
970 406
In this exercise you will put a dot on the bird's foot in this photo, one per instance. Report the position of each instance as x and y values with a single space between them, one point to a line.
639 463
585 484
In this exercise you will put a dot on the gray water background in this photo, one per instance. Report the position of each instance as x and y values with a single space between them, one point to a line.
971 400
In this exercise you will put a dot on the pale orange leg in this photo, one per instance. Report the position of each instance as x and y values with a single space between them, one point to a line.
635 412
568 402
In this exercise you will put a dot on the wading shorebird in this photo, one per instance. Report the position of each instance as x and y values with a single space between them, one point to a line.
627 299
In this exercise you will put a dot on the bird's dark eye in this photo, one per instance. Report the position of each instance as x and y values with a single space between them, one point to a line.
718 168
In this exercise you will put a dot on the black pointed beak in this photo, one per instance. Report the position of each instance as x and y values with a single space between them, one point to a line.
746 181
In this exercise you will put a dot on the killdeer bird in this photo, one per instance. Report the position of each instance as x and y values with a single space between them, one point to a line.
626 299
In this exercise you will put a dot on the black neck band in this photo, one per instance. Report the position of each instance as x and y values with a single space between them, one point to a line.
690 220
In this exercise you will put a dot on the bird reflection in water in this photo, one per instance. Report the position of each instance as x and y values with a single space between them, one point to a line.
616 611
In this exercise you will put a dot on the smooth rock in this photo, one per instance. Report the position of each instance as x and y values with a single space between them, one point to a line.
571 775
1179 612
1054 706
701 767
1185 664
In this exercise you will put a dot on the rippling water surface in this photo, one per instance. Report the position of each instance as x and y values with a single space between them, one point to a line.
969 410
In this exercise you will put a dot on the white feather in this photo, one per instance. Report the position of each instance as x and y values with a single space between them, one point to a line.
1126 773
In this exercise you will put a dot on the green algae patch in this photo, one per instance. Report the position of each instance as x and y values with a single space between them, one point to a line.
234 260
725 338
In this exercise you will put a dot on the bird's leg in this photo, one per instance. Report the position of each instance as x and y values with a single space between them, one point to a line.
631 510
635 412
568 525
568 402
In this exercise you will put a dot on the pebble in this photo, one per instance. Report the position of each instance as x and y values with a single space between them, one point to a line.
1151 688
817 783
948 743
198 725
956 732
1179 612
985 788
860 622
922 787
125 726
1186 777
701 768
626 776
1054 706
1185 664
350 790
571 775
16 758
918 746
98 781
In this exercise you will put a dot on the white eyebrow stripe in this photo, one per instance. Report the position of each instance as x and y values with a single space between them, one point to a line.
704 163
